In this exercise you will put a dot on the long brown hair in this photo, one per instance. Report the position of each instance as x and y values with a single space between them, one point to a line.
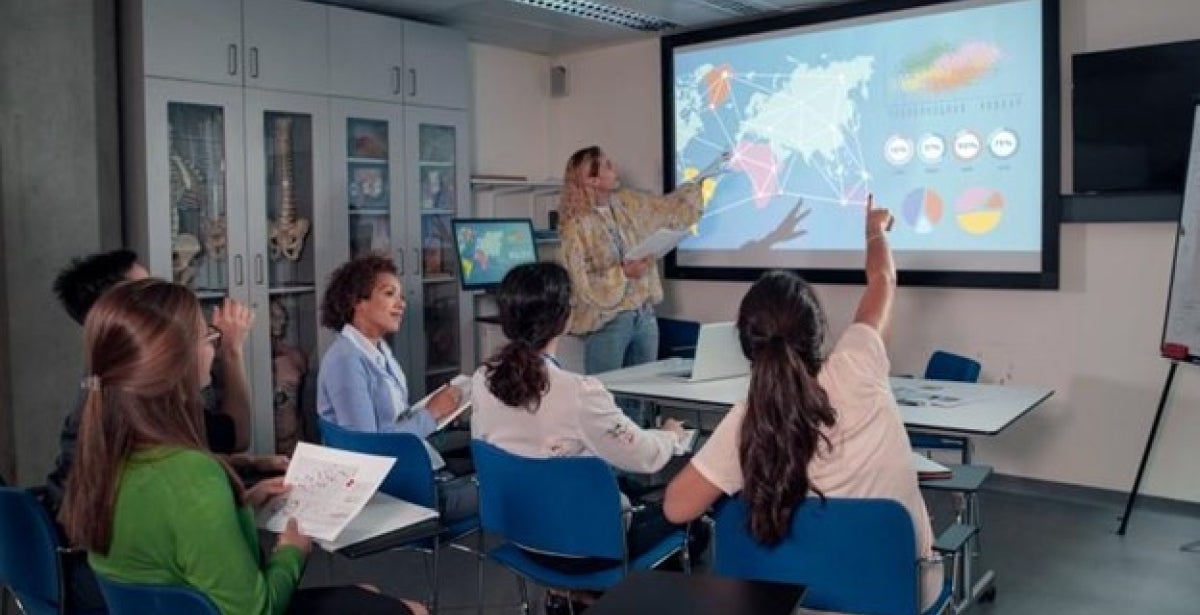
534 301
576 195
143 390
781 328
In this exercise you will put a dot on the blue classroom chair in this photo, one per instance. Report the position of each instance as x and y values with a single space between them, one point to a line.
854 555
136 599
411 479
564 505
31 556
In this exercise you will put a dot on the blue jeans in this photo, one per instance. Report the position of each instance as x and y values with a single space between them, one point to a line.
629 339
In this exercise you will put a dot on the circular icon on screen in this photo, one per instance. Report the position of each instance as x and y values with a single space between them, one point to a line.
967 145
1002 143
898 150
932 148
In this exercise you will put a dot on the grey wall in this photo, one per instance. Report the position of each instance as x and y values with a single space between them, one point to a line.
59 198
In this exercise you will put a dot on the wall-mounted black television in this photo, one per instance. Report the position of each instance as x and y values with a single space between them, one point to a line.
946 110
1132 115
489 247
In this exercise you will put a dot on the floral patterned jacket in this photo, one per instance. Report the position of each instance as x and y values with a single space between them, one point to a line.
593 246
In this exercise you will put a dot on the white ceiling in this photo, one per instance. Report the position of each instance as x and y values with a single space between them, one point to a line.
508 23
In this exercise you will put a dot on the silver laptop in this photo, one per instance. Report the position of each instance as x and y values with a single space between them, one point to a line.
718 355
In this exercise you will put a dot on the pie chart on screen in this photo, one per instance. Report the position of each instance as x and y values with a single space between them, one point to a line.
978 210
922 210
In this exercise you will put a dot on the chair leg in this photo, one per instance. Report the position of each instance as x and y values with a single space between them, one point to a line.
523 590
479 569
433 604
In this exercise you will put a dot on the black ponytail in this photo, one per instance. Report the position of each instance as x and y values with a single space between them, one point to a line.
534 304
781 329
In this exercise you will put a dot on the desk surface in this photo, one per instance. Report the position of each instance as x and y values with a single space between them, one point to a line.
955 407
655 592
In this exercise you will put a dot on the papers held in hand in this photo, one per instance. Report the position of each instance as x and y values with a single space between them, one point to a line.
463 384
657 245
685 444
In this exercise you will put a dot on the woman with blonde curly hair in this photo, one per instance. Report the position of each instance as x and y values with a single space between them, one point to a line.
613 297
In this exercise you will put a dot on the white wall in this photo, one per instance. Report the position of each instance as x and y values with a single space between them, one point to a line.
511 104
1094 340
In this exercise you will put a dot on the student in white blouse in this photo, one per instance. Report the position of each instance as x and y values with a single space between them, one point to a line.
811 424
527 404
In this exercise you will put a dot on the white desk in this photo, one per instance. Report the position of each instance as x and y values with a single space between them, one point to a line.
954 407
951 407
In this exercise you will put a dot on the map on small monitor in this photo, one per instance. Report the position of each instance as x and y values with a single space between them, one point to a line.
489 247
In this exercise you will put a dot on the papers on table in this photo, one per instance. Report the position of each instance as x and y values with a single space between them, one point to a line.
927 468
329 488
382 514
927 394
657 245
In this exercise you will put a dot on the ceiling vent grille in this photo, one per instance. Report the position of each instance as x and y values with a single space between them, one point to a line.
588 9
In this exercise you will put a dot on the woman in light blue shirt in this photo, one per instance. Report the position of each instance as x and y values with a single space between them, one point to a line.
360 386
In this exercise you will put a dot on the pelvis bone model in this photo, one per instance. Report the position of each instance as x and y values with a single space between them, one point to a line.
287 231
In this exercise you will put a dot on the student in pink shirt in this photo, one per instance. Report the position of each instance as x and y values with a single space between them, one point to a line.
811 424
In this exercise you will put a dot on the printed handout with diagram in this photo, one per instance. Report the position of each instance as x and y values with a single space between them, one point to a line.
929 394
329 487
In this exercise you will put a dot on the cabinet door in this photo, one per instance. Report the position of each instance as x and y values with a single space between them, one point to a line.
287 45
366 55
437 176
287 166
197 41
368 195
191 228
436 69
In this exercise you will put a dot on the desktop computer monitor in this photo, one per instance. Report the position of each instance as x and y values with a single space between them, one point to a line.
489 247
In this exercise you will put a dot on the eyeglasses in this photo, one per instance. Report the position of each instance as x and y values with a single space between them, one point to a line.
213 336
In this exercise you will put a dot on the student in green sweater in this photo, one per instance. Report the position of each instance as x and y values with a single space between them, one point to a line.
146 498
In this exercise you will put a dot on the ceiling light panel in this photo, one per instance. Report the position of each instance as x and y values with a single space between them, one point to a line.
588 9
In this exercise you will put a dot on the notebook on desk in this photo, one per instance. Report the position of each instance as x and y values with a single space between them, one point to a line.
718 355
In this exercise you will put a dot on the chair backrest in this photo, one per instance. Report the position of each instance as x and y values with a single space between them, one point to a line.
411 477
29 552
855 555
563 505
949 366
134 599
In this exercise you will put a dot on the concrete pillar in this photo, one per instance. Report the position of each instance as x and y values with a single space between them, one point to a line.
59 198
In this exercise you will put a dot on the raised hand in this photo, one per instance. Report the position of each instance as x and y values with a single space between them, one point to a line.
879 219
234 320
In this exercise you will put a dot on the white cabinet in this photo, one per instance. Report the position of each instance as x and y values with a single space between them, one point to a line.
270 44
436 190
286 45
229 196
184 39
245 178
289 256
366 55
436 67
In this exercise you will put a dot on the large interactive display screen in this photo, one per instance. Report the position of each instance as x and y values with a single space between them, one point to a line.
946 112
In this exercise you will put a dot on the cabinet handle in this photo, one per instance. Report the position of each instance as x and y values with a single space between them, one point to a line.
233 62
400 253
397 80
412 75
238 278
417 262
258 268
254 62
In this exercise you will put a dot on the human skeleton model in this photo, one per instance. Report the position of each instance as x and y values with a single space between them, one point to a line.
289 367
287 231
187 193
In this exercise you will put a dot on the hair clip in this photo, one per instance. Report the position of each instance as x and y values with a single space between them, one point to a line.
90 382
